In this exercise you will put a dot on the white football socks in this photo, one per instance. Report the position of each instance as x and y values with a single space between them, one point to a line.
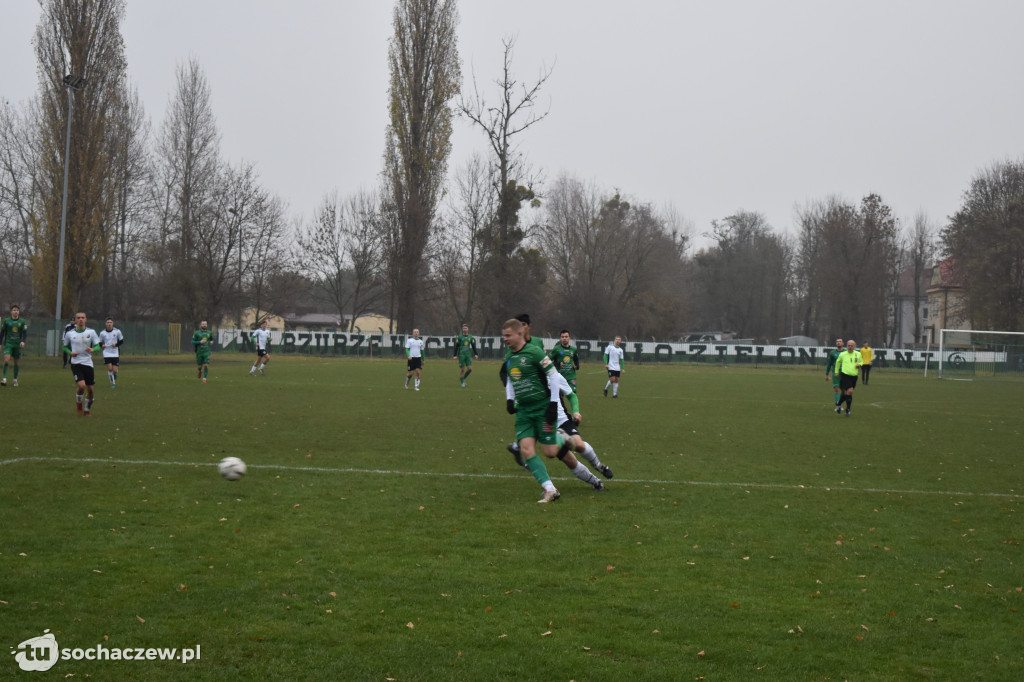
590 455
583 473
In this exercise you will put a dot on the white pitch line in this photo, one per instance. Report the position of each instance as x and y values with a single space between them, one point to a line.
457 474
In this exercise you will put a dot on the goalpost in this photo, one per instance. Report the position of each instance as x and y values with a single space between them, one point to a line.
970 353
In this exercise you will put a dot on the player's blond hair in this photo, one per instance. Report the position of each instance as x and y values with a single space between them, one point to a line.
513 324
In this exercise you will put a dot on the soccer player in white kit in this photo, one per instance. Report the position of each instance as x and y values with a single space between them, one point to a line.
414 355
111 339
80 343
614 355
262 339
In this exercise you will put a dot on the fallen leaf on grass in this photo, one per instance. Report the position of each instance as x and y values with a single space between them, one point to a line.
545 634
410 625
701 653
141 619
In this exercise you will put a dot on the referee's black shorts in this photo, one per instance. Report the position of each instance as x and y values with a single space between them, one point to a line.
847 381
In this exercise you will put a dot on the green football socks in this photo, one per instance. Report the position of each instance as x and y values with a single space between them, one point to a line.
536 466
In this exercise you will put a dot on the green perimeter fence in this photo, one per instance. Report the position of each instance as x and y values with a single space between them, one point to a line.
162 338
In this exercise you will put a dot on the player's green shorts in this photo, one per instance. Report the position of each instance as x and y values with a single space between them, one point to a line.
465 359
531 425
13 349
203 357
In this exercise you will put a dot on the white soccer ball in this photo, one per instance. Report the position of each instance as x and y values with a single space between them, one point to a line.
231 468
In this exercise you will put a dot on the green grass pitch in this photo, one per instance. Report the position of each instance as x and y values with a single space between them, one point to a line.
385 534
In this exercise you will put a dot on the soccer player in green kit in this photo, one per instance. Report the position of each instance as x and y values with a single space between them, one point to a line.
465 351
202 342
513 447
531 394
830 370
566 358
13 332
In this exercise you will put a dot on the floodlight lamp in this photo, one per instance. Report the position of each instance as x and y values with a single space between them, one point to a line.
74 82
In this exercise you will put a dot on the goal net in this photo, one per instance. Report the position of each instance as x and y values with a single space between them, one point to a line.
971 353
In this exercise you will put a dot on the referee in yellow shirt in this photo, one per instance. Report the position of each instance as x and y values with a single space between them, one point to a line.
848 368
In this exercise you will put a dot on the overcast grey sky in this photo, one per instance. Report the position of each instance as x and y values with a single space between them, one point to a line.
710 107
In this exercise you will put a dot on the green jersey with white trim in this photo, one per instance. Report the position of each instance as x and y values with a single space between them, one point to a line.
527 370
567 360
202 340
14 331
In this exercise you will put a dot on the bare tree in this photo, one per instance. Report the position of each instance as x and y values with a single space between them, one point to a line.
19 199
458 250
743 279
985 239
502 123
341 251
922 250
425 75
265 248
189 157
83 38
847 263
365 245
615 265
134 206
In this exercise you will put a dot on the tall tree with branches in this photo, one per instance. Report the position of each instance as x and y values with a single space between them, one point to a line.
133 206
458 249
19 199
83 38
921 255
341 252
985 239
190 170
423 60
503 123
